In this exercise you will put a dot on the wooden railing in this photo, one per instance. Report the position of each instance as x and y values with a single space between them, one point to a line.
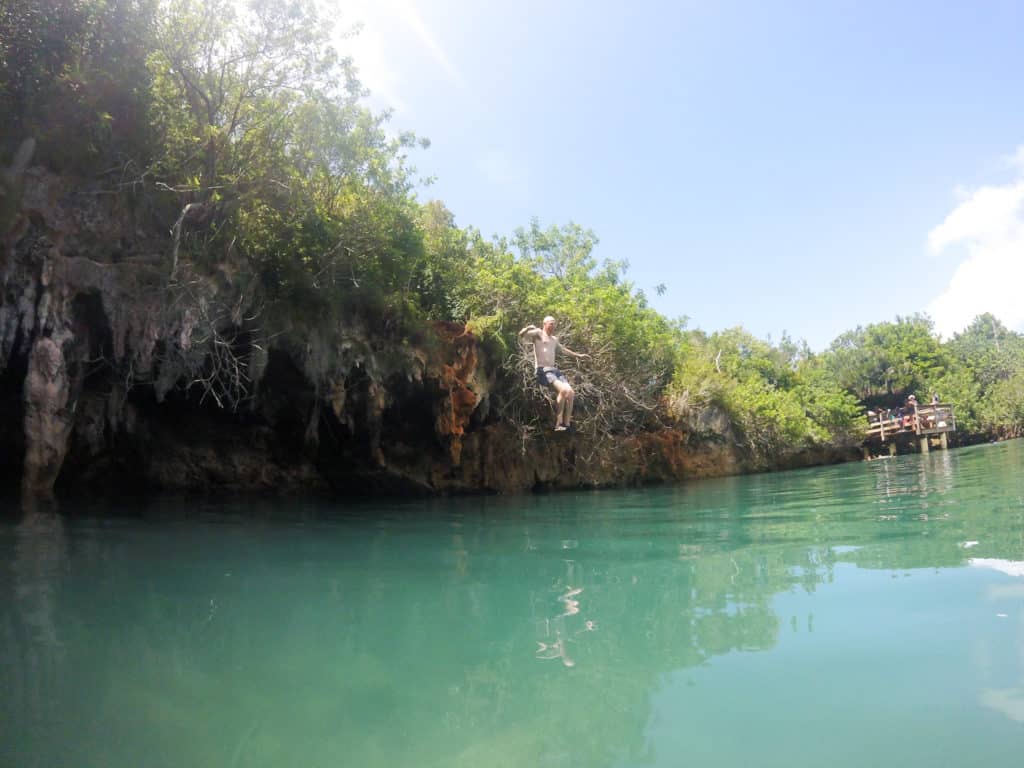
932 419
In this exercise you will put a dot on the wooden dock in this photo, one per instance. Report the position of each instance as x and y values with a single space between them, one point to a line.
924 423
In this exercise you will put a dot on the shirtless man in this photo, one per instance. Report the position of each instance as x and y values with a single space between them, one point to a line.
545 344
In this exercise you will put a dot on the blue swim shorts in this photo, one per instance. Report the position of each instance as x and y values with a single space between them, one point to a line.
546 377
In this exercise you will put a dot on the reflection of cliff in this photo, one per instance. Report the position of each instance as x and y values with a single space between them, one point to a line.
444 633
254 639
33 663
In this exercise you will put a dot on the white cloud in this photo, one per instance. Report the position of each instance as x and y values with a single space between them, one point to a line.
989 214
989 225
1016 160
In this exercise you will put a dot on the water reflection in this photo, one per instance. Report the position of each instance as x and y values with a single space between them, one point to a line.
1007 701
1009 567
31 673
1005 602
39 553
556 630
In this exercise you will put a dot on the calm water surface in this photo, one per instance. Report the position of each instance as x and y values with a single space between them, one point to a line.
867 614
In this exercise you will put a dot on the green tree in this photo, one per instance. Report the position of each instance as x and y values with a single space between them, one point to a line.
984 382
990 350
779 400
633 348
887 359
271 161
1002 410
228 83
73 76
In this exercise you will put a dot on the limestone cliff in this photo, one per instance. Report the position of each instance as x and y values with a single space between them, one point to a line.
122 367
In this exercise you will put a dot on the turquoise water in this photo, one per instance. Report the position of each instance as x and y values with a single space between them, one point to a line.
866 614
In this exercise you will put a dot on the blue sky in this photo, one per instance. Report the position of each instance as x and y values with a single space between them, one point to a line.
784 166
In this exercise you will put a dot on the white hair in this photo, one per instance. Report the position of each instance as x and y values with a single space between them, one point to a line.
548 319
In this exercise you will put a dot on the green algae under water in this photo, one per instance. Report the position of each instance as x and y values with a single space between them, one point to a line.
865 614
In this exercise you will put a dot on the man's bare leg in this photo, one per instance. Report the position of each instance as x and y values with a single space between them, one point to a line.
564 401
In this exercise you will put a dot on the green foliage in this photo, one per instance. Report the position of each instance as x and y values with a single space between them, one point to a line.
887 358
1002 411
446 269
633 350
240 122
259 123
985 382
976 371
991 351
961 389
778 399
229 84
73 76
828 405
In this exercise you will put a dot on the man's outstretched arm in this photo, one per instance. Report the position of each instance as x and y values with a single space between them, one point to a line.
577 355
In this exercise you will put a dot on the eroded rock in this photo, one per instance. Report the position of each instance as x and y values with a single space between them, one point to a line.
48 419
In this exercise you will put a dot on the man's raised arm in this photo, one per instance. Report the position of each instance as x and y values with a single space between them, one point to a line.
529 331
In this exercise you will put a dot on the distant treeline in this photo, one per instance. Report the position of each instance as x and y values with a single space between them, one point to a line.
248 121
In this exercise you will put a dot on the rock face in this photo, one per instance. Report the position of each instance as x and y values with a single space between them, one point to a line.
48 421
120 368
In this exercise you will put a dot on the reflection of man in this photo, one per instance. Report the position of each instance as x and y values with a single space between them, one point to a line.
545 344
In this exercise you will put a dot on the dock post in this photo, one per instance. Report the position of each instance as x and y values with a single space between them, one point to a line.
944 442
924 444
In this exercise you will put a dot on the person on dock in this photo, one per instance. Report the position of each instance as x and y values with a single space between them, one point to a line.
909 411
545 345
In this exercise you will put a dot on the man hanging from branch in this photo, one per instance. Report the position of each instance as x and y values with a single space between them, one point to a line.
545 344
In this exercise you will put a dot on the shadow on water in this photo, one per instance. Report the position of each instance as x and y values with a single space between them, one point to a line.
489 631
